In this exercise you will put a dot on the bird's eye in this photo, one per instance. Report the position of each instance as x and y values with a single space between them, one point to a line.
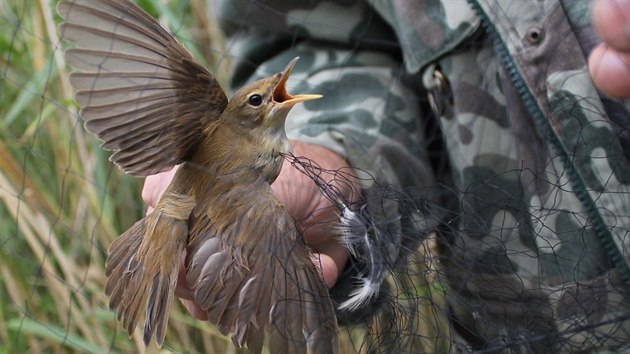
255 100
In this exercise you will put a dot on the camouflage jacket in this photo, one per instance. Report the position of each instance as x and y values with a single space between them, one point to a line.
479 116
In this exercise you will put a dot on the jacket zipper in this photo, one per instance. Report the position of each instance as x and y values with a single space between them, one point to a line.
599 226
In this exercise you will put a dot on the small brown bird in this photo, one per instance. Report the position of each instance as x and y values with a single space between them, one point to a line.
146 98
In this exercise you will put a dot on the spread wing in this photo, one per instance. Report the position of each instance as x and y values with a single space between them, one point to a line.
139 89
251 271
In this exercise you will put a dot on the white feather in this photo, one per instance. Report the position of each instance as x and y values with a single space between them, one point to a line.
361 295
353 230
356 238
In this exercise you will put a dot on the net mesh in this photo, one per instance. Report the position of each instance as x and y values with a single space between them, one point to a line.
473 269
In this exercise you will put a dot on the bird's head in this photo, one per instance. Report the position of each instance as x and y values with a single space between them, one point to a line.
266 102
259 110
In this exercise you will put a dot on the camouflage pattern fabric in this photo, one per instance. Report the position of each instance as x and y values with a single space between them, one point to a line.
532 184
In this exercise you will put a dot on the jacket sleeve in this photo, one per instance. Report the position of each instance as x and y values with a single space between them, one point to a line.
372 115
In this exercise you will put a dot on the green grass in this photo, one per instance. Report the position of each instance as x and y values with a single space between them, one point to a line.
62 202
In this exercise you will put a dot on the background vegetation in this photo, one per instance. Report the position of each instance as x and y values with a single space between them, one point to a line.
62 202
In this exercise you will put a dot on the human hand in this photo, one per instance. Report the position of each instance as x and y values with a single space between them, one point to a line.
304 201
609 62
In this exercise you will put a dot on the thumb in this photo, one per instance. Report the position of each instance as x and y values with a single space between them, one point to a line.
154 187
326 267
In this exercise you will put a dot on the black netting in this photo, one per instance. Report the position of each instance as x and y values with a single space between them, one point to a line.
483 224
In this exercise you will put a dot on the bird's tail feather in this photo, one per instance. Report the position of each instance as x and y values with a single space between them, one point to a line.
142 268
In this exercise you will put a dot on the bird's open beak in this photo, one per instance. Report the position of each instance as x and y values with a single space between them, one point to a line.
280 94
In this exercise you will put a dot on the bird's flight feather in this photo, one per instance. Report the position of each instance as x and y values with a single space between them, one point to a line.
140 90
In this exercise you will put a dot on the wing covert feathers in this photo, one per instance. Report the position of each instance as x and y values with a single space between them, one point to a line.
253 274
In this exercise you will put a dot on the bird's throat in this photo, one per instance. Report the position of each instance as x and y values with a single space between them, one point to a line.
273 146
232 150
